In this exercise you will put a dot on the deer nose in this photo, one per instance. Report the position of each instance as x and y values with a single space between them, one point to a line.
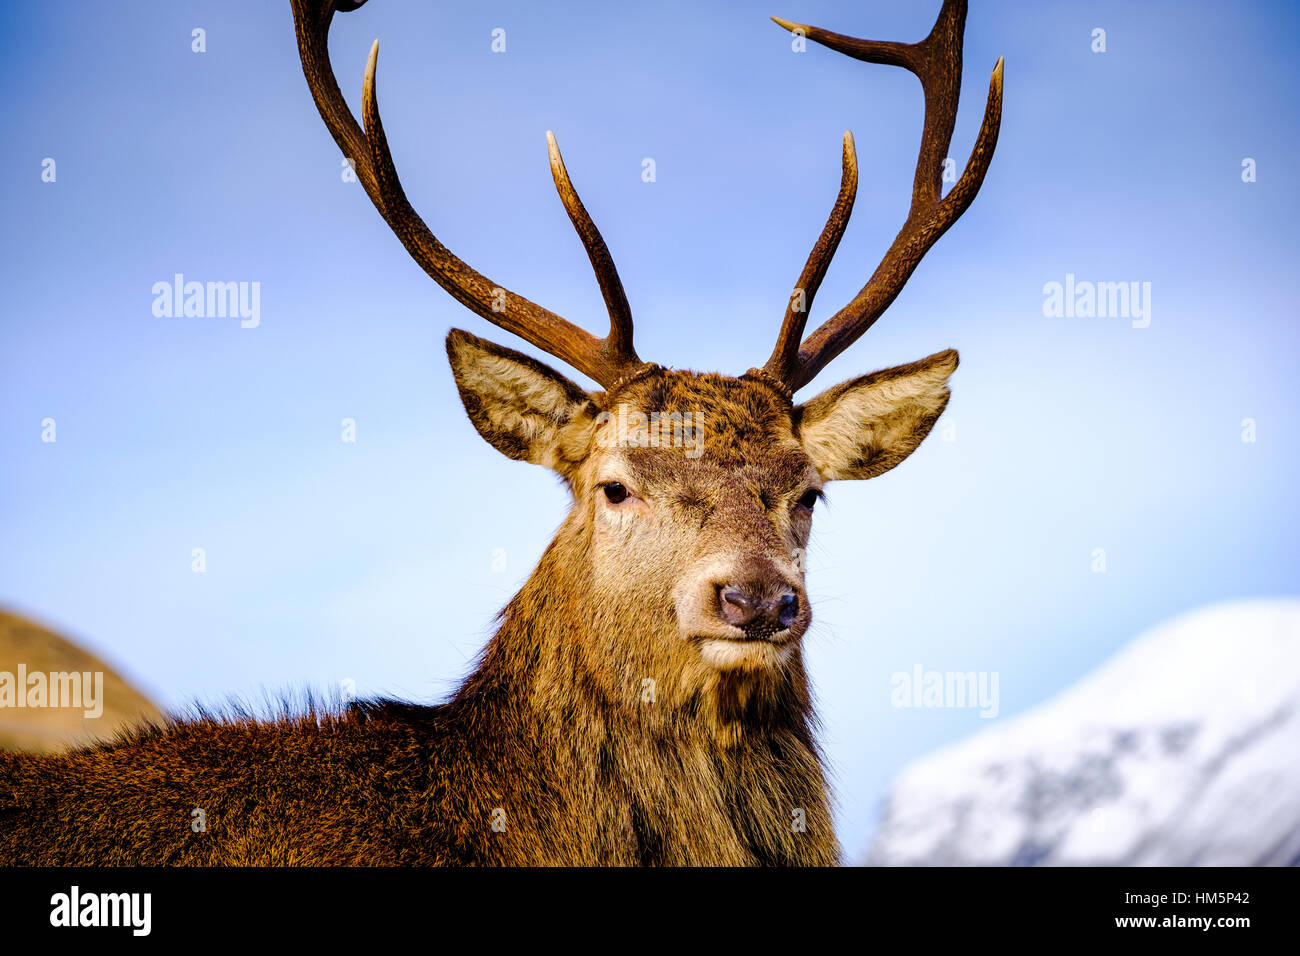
750 609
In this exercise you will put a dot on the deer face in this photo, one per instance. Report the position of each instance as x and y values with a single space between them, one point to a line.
694 494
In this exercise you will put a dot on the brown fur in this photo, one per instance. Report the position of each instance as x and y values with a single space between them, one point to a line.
601 726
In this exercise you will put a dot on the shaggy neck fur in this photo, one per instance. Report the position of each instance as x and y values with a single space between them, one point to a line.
685 766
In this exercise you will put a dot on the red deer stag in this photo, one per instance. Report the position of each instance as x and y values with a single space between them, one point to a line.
644 699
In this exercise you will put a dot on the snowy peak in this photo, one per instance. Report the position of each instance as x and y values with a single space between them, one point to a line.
1183 749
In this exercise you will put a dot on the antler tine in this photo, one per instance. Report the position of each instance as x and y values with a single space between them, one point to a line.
937 62
786 353
619 341
606 360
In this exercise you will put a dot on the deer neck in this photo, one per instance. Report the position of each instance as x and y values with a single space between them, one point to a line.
562 653
696 766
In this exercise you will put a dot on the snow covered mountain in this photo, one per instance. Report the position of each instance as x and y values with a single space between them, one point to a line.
1183 749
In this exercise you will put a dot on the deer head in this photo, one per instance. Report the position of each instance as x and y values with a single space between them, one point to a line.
693 494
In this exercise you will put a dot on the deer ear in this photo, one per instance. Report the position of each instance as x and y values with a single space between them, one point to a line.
524 409
866 426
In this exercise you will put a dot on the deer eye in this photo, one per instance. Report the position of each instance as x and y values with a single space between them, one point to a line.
615 493
809 499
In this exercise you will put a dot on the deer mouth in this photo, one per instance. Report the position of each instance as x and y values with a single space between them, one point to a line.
746 652
753 635
767 631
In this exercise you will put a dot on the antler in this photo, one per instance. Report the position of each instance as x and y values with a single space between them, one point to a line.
936 61
606 361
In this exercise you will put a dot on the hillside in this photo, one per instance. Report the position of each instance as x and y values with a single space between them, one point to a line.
49 728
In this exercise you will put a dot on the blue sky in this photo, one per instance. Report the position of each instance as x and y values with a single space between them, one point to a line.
374 560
